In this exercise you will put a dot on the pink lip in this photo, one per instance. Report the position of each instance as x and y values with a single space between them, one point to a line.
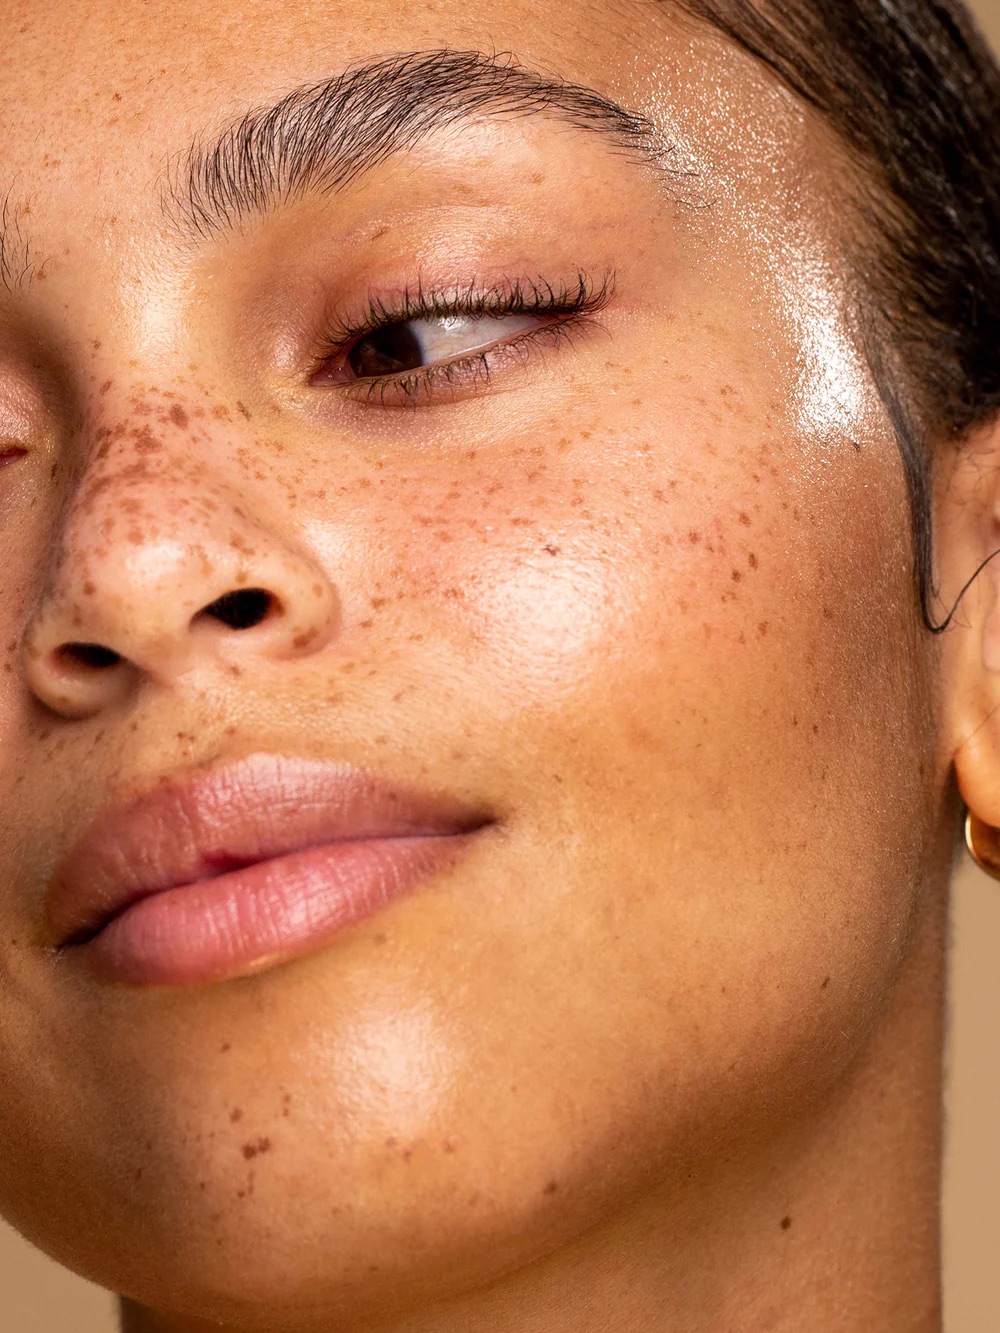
243 866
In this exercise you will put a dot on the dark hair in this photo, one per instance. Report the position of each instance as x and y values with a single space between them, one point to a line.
913 92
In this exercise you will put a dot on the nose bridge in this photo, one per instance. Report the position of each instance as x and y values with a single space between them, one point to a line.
162 555
146 537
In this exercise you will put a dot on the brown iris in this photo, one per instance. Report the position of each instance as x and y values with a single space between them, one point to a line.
389 351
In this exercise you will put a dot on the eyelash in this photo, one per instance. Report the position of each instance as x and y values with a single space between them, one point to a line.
568 306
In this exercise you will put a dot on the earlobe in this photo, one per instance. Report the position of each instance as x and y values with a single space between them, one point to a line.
967 540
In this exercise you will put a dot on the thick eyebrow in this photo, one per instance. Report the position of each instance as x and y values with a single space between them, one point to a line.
322 137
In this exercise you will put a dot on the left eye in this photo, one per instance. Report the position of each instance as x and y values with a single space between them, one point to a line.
415 344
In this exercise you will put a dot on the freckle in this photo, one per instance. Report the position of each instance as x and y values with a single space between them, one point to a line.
552 1187
138 1174
145 441
786 1222
745 520
235 1115
752 561
825 984
407 1154
89 589
694 538
737 576
551 550
449 1146
762 629
251 1150
391 1142
178 416
243 411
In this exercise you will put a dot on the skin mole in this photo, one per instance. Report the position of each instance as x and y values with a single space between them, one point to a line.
256 1147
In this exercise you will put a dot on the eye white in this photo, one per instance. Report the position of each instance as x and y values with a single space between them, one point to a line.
449 336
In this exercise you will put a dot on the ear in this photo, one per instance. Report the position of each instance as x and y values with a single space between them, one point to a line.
966 515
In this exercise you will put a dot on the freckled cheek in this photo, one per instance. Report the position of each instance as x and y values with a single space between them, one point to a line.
532 592
678 535
554 586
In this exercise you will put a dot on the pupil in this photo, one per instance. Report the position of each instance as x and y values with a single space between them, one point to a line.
387 352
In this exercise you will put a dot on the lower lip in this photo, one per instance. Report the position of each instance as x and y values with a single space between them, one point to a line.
267 913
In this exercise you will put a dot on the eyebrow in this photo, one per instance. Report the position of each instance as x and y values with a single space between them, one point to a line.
323 137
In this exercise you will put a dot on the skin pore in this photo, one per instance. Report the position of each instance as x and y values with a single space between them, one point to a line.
663 1051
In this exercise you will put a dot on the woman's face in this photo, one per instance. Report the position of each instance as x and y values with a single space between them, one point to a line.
634 583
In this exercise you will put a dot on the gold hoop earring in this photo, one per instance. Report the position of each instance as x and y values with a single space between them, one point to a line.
983 842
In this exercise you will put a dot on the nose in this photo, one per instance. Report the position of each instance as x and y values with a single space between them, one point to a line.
159 569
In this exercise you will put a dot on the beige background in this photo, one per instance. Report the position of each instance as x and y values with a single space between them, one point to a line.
37 1296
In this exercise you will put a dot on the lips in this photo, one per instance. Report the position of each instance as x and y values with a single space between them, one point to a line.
241 866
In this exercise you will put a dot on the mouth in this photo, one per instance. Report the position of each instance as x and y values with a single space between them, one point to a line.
246 866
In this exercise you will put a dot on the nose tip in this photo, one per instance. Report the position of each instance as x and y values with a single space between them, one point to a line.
94 641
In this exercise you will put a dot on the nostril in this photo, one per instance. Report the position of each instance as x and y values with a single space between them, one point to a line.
91 655
242 609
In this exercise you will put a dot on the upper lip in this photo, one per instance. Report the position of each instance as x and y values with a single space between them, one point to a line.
189 829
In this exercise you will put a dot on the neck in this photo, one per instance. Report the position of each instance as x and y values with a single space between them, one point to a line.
833 1226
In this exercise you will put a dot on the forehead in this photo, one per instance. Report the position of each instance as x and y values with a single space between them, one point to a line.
97 99
164 70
